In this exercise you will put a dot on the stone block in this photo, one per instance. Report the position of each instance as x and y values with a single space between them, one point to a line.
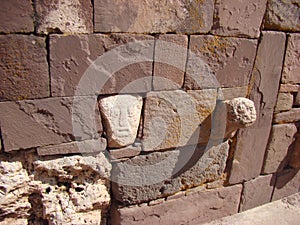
287 183
87 146
172 118
252 141
281 137
66 16
284 102
99 63
169 61
297 99
126 152
195 208
283 15
257 192
121 117
235 92
291 69
242 18
287 117
24 68
160 174
295 155
33 123
16 16
231 60
153 16
288 88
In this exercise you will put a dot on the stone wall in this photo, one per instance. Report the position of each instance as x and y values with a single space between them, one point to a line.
138 112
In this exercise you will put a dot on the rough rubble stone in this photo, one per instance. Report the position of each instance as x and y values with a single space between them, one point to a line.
87 146
194 208
291 67
171 118
67 16
33 123
239 18
287 117
288 88
73 59
295 155
283 15
24 68
16 16
168 73
154 16
284 102
281 137
160 174
121 117
287 183
15 190
231 60
257 192
73 189
252 141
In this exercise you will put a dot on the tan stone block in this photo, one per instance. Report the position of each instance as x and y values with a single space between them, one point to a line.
284 102
24 68
129 151
288 88
287 117
67 16
235 92
239 18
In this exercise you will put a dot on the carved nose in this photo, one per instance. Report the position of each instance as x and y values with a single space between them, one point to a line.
123 118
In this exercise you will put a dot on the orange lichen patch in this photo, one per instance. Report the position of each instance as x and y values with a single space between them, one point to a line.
196 16
212 45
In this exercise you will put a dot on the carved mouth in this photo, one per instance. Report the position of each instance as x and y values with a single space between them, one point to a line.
123 132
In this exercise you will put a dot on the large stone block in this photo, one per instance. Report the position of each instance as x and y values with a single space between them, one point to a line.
231 60
67 16
252 141
99 63
287 117
194 208
283 15
239 18
287 183
154 16
16 16
281 137
284 102
295 155
291 69
160 174
169 61
172 118
257 192
121 117
24 68
33 123
288 88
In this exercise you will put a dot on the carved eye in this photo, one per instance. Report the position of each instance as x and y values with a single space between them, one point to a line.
129 112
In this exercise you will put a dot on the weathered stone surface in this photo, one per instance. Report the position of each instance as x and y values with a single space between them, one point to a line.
295 155
67 16
287 117
283 15
239 18
160 174
171 118
230 93
33 123
287 183
284 102
231 59
252 141
73 189
24 68
284 212
195 208
291 69
297 99
257 192
129 151
15 190
288 88
169 61
87 146
16 16
154 16
281 137
72 58
121 116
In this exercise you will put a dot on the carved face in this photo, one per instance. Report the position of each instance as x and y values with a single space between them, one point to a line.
121 115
